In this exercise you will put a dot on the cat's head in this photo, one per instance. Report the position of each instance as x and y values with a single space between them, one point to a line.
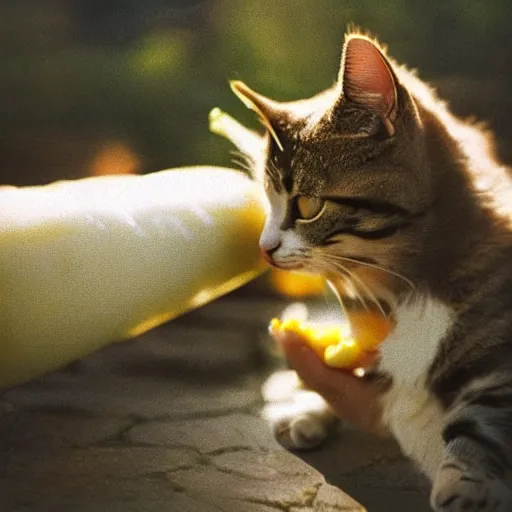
344 173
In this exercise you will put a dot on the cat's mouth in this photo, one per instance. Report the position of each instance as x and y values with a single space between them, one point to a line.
285 265
289 266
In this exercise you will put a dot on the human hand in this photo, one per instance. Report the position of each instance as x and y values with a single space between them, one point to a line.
354 399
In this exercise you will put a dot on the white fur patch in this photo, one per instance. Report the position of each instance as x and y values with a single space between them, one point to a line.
411 412
291 244
415 419
411 348
271 234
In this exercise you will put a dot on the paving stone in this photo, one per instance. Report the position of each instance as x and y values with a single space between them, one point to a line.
129 396
65 438
350 452
186 503
330 499
373 472
272 466
214 435
50 493
398 473
282 492
179 348
218 503
276 480
388 500
39 431
102 462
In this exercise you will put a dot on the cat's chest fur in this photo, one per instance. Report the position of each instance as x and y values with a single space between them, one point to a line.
411 412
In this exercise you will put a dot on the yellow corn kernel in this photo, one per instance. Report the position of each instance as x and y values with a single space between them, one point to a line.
343 345
346 354
318 337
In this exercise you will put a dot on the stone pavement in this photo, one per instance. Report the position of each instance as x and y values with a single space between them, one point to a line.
170 422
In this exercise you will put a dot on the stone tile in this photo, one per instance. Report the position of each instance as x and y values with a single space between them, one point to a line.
50 493
350 452
129 396
372 471
216 502
279 466
179 348
39 431
115 479
194 381
278 492
100 462
184 502
388 500
207 436
275 480
398 473
330 499
273 466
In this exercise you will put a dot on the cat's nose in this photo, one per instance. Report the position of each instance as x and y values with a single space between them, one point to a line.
267 252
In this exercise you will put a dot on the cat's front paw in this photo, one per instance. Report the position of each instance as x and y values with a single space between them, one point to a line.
300 419
458 488
303 432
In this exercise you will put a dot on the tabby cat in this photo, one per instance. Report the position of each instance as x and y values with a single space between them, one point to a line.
374 179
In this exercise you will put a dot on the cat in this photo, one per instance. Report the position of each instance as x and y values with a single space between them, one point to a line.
376 181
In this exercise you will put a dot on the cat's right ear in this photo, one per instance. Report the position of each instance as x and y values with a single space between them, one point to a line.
366 79
268 110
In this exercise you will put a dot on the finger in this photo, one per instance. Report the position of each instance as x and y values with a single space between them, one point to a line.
354 399
304 360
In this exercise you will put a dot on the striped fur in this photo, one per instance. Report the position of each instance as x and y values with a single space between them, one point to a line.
416 213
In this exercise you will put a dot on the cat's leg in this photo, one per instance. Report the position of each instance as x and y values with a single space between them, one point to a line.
300 419
475 472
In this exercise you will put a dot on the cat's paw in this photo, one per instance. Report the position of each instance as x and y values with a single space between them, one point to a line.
303 432
300 419
458 488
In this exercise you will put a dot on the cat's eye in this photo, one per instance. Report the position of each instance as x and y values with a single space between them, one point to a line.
309 207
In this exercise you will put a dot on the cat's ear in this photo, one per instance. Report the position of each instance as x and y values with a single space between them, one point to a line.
268 111
366 78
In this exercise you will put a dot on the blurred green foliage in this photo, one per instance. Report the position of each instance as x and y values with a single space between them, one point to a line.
148 73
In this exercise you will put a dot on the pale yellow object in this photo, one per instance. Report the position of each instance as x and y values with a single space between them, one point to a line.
88 262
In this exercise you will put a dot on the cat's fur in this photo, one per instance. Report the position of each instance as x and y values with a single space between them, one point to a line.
409 204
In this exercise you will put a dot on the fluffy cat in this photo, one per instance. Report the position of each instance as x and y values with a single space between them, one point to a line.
374 180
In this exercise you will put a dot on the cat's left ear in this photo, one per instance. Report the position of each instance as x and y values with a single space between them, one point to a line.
269 111
366 78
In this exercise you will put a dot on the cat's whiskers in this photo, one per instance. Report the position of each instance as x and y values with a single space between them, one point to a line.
324 267
243 161
346 275
384 294
369 292
242 166
273 171
360 285
376 267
